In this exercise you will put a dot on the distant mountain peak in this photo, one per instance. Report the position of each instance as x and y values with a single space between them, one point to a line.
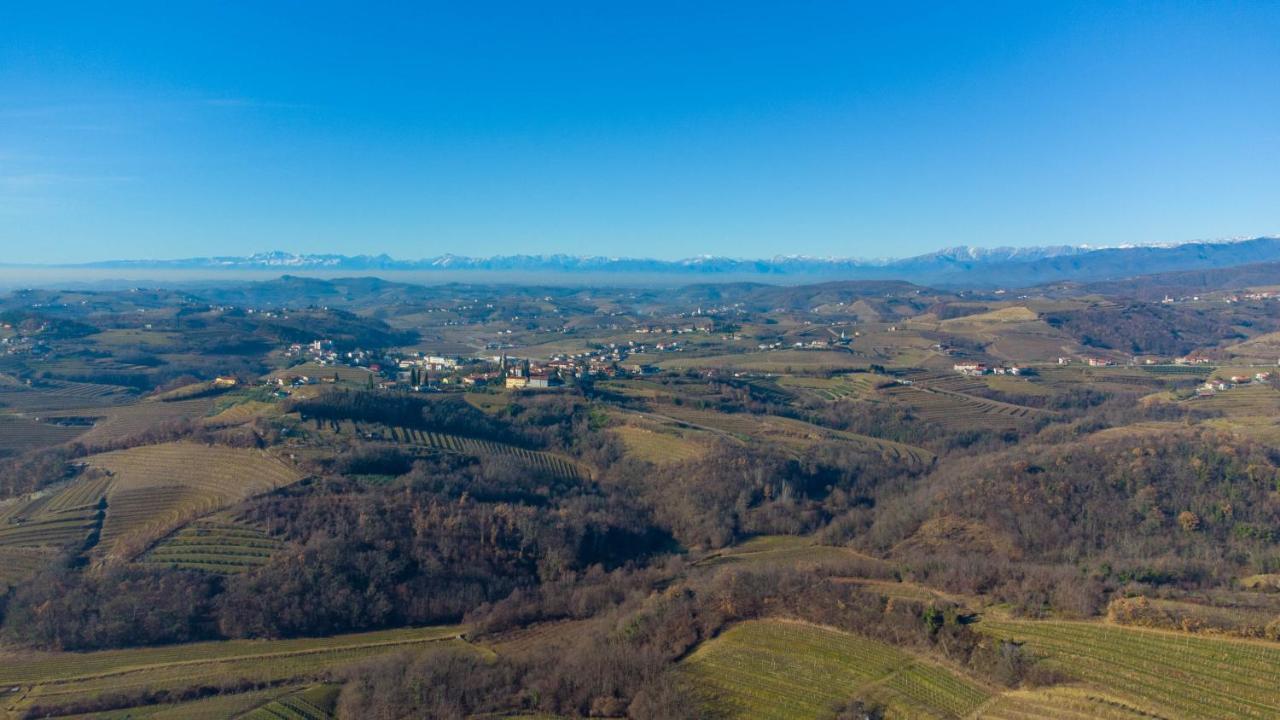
957 265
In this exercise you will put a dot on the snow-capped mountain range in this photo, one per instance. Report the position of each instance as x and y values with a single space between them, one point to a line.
963 265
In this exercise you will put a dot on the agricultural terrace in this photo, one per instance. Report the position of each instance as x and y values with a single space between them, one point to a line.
53 679
124 421
20 434
854 385
445 442
58 395
744 426
1169 674
219 545
311 703
156 488
958 411
781 670
33 530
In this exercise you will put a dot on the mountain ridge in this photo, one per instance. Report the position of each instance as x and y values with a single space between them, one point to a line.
958 265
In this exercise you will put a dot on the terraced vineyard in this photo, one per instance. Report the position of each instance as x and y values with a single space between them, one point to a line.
784 670
20 434
157 488
445 442
744 426
855 385
58 395
1244 401
217 544
53 679
957 410
1174 674
114 423
241 413
312 703
35 529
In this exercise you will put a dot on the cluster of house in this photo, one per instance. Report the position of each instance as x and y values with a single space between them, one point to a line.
322 352
1214 385
977 368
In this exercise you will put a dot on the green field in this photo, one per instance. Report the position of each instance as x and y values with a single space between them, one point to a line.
1174 674
783 670
1060 703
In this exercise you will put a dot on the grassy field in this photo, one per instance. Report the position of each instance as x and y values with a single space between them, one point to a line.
157 488
1060 703
1170 674
795 551
783 670
215 544
52 679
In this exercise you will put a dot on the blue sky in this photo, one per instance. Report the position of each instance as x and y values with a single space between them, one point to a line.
645 129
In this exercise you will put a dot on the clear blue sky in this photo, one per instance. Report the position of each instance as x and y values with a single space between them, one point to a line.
647 129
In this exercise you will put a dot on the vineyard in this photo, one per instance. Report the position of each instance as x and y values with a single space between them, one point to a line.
1243 401
784 670
123 421
218 545
795 433
312 703
35 529
957 410
59 395
156 488
1176 674
52 679
854 385
20 434
444 442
